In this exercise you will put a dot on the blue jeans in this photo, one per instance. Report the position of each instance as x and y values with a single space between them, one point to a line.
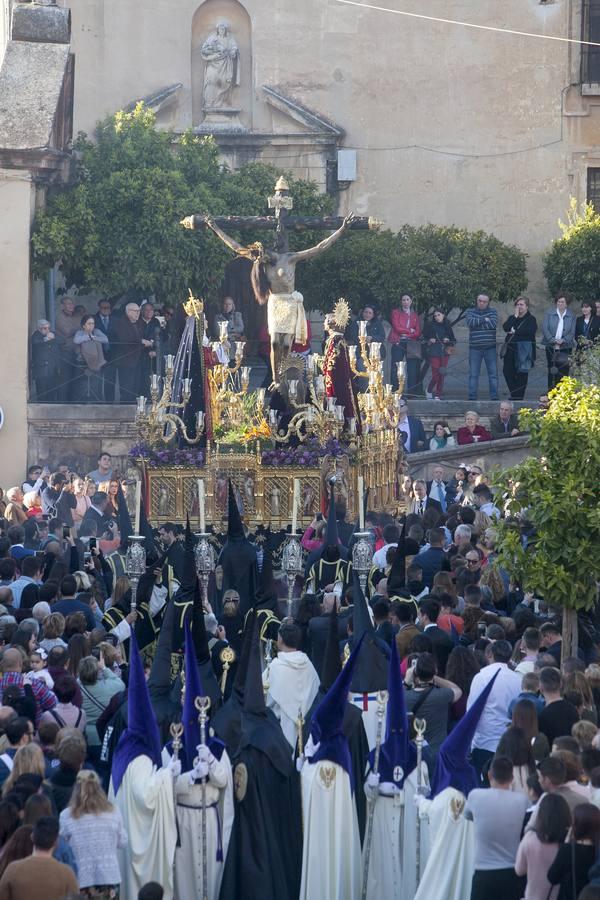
476 357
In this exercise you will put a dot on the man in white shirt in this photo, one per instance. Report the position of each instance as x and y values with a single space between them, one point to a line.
292 682
391 536
482 497
494 718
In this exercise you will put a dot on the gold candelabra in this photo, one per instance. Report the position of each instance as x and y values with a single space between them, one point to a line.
380 404
228 383
318 415
158 423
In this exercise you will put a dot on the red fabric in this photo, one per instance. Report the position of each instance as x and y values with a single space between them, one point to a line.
438 365
405 326
444 623
302 348
465 436
339 381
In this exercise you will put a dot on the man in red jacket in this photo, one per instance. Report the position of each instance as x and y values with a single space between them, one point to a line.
405 338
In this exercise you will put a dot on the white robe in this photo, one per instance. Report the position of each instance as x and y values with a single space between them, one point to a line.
188 857
145 801
449 870
393 847
331 862
293 686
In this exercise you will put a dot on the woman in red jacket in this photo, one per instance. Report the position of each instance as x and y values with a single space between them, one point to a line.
405 338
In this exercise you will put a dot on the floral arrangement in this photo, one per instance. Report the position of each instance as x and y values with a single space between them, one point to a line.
309 453
167 456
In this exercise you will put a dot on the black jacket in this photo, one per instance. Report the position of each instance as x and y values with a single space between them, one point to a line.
442 646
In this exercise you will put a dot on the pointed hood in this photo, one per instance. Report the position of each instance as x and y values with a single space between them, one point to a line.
235 528
254 697
371 673
190 578
227 721
146 530
141 737
453 768
266 598
398 755
123 519
332 665
327 719
397 574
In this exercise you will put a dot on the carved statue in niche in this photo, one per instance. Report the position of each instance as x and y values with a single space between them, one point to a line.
222 70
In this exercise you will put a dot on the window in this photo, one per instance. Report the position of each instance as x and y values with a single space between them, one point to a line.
590 31
593 187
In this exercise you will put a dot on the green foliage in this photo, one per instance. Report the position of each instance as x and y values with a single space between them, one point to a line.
559 486
437 265
116 229
573 262
585 365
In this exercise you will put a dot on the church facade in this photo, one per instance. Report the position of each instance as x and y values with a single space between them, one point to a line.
410 118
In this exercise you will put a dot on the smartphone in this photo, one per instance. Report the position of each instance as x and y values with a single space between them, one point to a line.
39 553
319 517
87 556
92 544
66 532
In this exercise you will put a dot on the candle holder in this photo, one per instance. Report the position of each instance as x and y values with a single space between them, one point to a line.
205 559
293 565
362 556
135 564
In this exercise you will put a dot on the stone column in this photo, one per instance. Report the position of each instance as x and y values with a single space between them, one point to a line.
17 201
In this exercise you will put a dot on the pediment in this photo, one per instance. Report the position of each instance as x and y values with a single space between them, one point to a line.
287 110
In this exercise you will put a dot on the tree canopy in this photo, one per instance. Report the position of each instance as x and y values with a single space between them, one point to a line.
558 488
115 230
573 262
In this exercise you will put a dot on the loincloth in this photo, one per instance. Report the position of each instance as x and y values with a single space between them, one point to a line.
285 315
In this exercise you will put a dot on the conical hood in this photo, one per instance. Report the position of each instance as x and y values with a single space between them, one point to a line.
146 530
123 519
397 573
235 529
254 697
202 651
327 719
453 768
190 578
141 737
239 682
332 665
266 598
331 533
193 689
371 673
398 756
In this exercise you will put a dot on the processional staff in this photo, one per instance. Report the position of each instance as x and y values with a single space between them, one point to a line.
420 725
382 697
202 704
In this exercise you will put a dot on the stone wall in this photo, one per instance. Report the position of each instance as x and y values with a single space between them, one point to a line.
489 456
450 124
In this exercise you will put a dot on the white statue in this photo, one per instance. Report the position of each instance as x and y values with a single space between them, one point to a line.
222 70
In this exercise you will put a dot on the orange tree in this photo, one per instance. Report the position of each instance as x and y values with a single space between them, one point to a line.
557 490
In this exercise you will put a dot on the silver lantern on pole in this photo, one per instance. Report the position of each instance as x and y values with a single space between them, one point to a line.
293 565
205 558
362 556
135 563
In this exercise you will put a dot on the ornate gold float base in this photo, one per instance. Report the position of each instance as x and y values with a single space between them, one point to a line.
265 492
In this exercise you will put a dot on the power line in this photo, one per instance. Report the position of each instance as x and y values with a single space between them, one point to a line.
497 29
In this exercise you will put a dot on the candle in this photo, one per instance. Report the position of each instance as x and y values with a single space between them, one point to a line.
201 511
273 416
401 369
361 503
154 382
352 353
199 421
141 405
223 329
215 347
260 397
352 425
169 362
293 386
239 348
138 505
362 329
295 505
375 348
187 385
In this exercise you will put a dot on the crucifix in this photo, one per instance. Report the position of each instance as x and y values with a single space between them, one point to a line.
273 273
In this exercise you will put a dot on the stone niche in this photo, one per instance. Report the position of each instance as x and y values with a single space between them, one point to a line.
215 107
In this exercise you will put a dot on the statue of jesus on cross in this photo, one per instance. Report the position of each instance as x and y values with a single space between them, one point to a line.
274 270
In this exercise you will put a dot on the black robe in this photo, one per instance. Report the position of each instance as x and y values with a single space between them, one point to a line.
264 860
240 570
